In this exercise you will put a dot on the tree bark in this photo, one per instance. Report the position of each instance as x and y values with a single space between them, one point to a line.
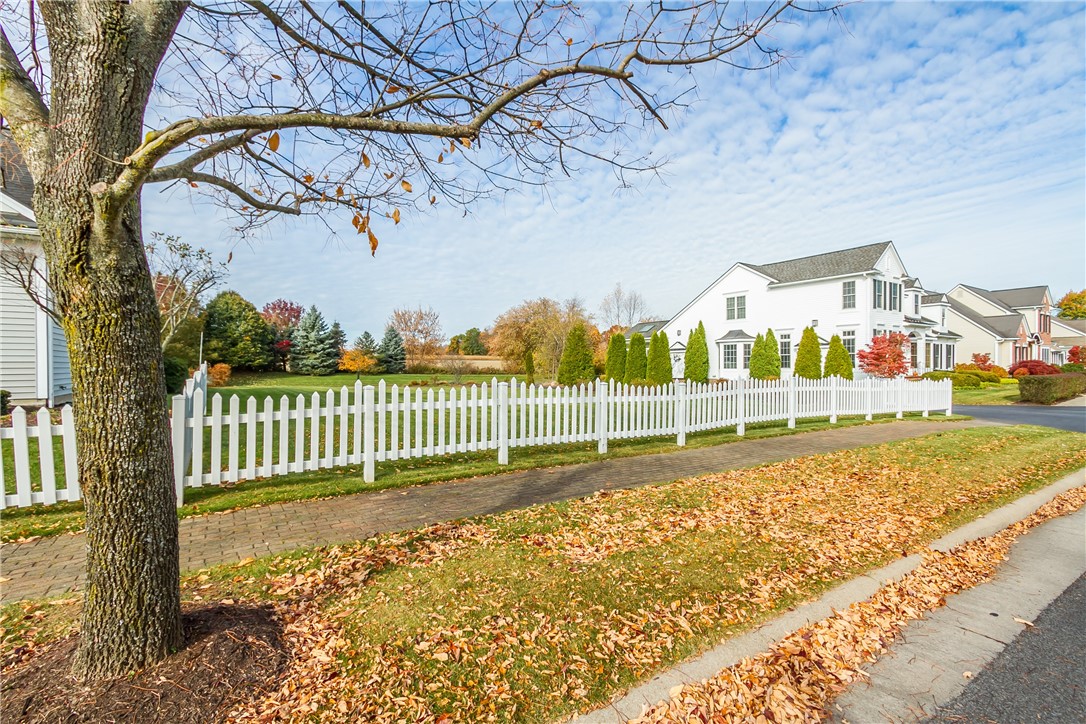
104 59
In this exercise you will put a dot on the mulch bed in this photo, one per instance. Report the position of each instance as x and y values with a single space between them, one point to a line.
232 654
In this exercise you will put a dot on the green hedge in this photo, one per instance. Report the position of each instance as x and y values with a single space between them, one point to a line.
1073 367
1047 389
4 397
958 379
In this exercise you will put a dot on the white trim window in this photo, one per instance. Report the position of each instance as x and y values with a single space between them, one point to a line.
895 297
746 356
737 307
848 338
848 295
728 357
878 298
786 350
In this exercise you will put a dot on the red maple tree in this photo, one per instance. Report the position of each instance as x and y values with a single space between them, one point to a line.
885 356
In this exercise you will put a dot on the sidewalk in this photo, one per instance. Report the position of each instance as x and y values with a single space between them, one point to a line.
925 669
52 566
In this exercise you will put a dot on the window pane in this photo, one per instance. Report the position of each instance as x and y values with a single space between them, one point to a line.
746 356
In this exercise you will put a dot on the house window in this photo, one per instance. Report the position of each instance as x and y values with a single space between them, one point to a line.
950 356
746 356
916 304
848 295
786 351
848 338
937 354
728 359
927 356
879 301
737 307
1046 323
913 355
895 297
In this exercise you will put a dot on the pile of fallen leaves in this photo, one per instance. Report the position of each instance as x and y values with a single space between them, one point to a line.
798 677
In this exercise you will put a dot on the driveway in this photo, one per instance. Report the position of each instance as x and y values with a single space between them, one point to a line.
1063 417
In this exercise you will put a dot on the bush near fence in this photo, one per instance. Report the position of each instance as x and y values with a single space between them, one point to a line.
1047 389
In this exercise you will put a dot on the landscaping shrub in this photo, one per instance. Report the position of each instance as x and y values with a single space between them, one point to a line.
219 375
838 363
176 372
957 379
808 356
4 397
615 369
659 359
636 359
696 361
1047 389
1034 367
1020 372
981 362
1073 367
999 371
986 375
576 364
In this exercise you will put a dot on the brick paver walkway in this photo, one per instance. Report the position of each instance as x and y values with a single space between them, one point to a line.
51 566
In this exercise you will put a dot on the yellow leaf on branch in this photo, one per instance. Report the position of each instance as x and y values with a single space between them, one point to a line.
373 243
406 185
273 142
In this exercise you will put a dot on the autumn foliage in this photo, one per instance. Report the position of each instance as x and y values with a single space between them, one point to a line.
357 361
1077 355
218 375
1033 367
885 356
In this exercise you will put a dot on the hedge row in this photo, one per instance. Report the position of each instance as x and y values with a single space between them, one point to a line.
1047 389
958 379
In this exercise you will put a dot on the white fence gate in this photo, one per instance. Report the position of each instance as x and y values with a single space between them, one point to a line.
370 424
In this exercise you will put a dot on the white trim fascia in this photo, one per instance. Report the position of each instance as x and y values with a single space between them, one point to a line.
890 247
24 210
711 286
19 231
870 272
987 331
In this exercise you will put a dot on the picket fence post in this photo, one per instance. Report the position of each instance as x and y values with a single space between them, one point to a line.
792 401
178 420
834 386
900 397
740 408
601 417
869 398
949 397
680 413
503 423
368 448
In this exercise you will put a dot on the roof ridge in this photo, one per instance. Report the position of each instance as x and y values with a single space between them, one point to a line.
824 253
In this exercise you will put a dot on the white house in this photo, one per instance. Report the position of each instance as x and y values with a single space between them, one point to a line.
1010 325
33 352
855 293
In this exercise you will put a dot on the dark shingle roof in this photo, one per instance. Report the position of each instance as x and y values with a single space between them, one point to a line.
646 329
819 266
15 181
985 294
1021 297
1004 325
935 298
736 335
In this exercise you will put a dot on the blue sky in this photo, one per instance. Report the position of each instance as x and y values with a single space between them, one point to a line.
956 130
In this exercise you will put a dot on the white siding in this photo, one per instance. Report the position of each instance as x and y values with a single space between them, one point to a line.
61 370
17 346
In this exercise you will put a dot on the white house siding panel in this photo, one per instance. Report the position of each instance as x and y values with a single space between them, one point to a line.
976 340
18 351
61 368
976 302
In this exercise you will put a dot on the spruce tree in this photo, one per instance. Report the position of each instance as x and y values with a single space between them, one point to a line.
808 356
615 369
636 360
659 364
313 350
366 343
773 354
696 359
760 367
576 365
339 337
391 356
837 360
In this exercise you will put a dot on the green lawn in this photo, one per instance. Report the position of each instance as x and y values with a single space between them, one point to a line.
537 614
20 523
989 394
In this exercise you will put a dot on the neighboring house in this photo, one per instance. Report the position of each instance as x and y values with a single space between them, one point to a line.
1010 325
33 352
1068 333
855 293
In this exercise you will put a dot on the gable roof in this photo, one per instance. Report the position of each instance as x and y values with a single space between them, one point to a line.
1003 325
832 264
934 298
1022 296
988 297
15 183
646 329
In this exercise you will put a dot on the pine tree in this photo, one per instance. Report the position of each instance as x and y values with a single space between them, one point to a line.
773 354
808 356
636 360
837 360
366 343
576 364
615 369
696 359
313 350
339 337
659 363
391 356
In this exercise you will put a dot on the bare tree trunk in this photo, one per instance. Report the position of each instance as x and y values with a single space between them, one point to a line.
104 59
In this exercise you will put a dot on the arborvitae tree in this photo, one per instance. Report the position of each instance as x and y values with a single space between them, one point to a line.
339 337
837 360
367 344
576 364
659 363
313 350
760 367
391 355
616 358
773 353
236 333
696 360
636 359
808 356
529 367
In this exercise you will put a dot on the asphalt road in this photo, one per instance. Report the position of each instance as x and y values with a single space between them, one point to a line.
1039 677
1063 418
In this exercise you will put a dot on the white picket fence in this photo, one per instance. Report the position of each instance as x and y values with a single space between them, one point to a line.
370 424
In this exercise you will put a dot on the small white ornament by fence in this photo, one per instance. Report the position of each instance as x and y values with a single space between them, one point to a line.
367 424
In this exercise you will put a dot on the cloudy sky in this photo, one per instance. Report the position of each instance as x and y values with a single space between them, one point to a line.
956 130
